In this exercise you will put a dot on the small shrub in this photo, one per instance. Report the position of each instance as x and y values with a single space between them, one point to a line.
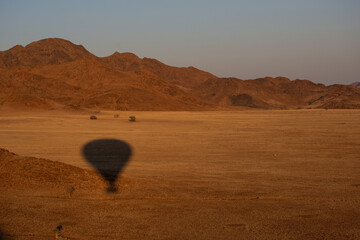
93 117
116 116
57 231
132 118
71 191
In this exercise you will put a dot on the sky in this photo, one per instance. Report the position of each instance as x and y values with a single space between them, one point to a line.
318 40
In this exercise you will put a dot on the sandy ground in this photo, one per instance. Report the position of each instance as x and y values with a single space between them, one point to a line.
195 175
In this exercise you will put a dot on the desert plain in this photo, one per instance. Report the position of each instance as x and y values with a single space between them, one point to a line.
256 174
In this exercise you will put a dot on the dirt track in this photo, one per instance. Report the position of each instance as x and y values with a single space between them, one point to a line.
195 175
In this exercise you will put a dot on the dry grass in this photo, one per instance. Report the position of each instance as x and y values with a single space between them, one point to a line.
195 175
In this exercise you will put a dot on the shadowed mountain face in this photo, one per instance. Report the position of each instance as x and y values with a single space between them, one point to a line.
278 93
356 84
55 73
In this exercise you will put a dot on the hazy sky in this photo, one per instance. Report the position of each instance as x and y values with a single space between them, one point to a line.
317 40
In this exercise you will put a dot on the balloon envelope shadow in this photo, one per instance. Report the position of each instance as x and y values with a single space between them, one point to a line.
108 157
4 236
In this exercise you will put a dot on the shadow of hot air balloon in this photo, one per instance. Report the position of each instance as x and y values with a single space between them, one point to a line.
108 157
4 236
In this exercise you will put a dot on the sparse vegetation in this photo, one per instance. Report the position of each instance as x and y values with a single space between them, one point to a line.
132 118
93 117
57 232
71 191
116 116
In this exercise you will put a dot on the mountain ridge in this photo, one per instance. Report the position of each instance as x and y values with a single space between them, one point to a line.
55 73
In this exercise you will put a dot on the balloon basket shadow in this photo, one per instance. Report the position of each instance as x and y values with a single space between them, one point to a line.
112 188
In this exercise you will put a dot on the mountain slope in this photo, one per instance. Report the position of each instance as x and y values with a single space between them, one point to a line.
87 83
185 77
43 52
277 93
35 173
55 73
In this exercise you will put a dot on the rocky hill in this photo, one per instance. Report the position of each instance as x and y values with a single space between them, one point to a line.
57 74
43 52
20 172
184 77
